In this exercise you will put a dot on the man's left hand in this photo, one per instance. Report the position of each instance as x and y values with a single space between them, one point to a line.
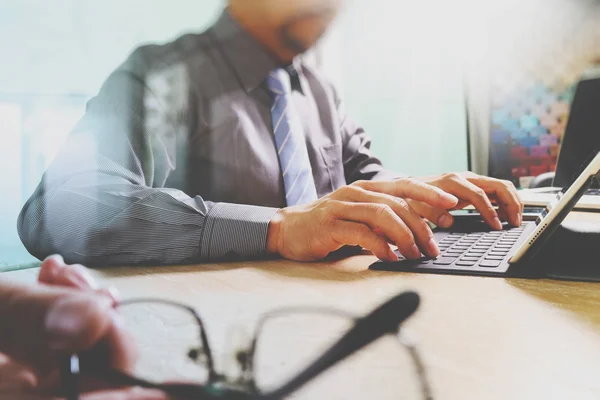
479 191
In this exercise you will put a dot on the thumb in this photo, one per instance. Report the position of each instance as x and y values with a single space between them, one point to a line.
437 216
54 272
41 323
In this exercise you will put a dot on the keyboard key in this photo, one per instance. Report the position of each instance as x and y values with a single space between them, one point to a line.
460 247
449 242
478 255
444 261
469 258
498 253
465 263
489 264
488 257
503 246
454 254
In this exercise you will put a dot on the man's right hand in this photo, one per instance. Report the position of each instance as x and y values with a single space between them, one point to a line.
367 213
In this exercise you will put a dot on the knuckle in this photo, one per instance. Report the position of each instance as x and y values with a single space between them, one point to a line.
327 203
360 184
382 211
403 205
327 208
347 189
508 185
353 190
408 181
479 192
452 176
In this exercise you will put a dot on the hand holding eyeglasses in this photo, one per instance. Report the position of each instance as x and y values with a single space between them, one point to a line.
43 324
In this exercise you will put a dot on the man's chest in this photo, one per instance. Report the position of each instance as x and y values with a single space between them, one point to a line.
233 154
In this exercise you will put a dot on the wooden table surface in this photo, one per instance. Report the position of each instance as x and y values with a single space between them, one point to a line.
482 338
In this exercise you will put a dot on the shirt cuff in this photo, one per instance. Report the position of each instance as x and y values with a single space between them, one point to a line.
235 230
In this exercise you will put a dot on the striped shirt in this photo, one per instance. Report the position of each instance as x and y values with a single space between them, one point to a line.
174 160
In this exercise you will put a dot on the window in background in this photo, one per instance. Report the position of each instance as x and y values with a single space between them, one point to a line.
10 165
398 65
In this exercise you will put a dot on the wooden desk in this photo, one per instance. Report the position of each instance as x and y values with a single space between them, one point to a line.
483 338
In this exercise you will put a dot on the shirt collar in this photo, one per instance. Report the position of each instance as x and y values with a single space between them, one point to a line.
250 61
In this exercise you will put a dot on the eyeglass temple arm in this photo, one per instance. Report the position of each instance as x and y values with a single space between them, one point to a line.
385 319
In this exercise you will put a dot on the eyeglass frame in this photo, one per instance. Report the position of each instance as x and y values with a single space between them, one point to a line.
219 385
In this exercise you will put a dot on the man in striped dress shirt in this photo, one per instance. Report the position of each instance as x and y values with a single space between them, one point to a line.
226 144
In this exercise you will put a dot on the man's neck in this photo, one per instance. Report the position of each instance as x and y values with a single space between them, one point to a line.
266 35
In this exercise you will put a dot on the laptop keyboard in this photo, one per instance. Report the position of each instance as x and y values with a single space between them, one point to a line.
593 192
480 249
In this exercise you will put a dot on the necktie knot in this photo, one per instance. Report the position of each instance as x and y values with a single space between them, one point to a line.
278 82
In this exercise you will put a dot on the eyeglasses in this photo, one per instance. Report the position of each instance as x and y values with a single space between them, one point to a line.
290 351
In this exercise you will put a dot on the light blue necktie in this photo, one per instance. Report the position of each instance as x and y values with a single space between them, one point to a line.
289 139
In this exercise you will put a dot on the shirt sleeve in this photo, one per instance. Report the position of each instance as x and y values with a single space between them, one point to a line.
103 200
